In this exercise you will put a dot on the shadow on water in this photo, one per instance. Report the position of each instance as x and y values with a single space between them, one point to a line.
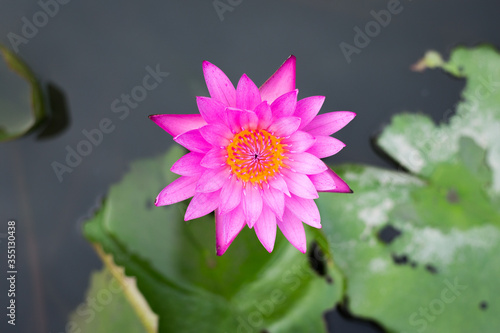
59 117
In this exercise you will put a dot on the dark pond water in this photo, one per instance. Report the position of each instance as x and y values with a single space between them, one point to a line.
95 51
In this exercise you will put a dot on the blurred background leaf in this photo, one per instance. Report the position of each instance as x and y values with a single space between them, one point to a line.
26 103
107 307
22 105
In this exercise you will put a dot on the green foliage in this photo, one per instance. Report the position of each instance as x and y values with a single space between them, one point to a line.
21 98
440 274
186 284
106 309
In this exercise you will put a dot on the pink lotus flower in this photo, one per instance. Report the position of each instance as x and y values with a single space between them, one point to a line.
254 157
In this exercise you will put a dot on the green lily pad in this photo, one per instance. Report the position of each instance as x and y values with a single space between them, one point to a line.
420 250
21 98
186 284
416 143
106 308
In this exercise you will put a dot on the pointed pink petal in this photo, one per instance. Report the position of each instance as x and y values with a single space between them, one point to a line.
323 182
299 142
326 146
193 141
285 126
252 204
275 200
305 209
247 94
230 195
188 165
329 123
293 229
175 124
202 204
233 116
281 82
239 120
211 110
248 120
305 163
300 185
213 179
265 115
218 84
179 190
308 108
265 228
233 119
278 182
227 227
215 158
216 134
329 181
284 106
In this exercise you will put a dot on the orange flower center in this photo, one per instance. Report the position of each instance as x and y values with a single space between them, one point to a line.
255 155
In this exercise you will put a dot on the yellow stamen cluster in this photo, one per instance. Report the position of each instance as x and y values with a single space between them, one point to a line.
255 155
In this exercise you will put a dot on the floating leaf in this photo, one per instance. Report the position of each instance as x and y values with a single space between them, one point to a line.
186 284
420 251
21 97
107 306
